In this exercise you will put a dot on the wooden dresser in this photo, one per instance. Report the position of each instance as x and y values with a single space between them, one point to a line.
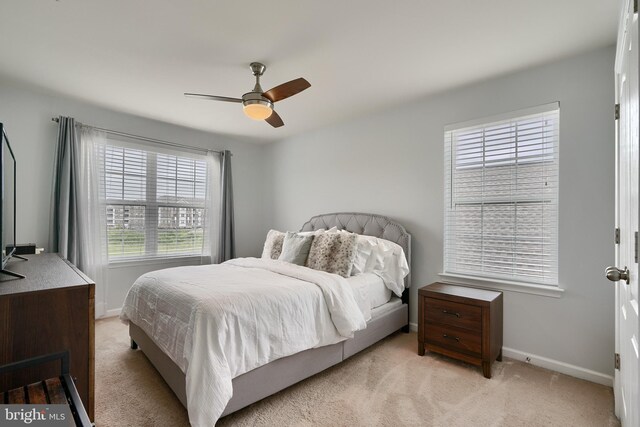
459 322
50 311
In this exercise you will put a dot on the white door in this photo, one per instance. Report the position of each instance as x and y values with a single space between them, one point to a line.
627 211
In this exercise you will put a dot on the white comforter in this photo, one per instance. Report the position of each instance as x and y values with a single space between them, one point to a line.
217 322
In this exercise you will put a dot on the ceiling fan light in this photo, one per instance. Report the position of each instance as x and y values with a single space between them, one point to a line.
257 111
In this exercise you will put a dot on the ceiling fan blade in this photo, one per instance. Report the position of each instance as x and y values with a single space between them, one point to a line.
213 97
286 90
274 120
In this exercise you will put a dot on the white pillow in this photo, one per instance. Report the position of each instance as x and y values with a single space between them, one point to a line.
308 233
273 244
394 271
364 249
387 260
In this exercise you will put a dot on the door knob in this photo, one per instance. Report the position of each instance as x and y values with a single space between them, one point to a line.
614 274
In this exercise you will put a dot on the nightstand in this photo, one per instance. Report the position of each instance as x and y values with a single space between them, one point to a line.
462 323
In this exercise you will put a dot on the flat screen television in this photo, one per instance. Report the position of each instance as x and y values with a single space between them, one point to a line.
7 202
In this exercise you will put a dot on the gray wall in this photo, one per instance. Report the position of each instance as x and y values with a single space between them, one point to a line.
27 111
391 163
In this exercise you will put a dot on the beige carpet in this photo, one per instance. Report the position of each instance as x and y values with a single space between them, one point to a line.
385 385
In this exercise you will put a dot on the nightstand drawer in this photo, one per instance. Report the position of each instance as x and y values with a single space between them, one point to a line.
454 338
453 313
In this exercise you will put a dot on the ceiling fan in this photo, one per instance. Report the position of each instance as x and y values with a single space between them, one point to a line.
257 104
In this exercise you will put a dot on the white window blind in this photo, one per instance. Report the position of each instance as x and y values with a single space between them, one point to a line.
155 201
501 197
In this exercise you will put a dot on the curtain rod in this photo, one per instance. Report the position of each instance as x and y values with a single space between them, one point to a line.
144 138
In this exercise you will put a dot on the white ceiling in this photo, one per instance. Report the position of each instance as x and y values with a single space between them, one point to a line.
359 55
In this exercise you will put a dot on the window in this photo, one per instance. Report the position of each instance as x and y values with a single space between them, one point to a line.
501 197
155 202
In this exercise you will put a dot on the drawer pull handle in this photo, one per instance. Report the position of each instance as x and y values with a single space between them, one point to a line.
451 313
450 337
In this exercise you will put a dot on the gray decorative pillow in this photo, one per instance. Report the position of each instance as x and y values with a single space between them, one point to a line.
333 253
273 244
295 248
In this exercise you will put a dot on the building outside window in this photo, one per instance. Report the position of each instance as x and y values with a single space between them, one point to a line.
155 202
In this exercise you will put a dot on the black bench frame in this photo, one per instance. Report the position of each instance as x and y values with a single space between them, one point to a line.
73 398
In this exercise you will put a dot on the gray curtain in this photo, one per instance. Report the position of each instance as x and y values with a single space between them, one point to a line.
78 214
64 219
227 245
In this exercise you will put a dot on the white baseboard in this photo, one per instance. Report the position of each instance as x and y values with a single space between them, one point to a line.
100 310
113 312
107 313
551 364
558 366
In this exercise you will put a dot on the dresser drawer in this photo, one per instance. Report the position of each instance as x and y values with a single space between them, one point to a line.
453 313
454 338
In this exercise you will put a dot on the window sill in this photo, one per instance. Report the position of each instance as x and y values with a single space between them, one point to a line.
153 261
503 285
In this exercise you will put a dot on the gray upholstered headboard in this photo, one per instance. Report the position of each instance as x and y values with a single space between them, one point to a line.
367 224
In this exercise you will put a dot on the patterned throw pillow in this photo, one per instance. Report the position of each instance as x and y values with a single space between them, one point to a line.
273 244
333 253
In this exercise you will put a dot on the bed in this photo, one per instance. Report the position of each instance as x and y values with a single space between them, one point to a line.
283 372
